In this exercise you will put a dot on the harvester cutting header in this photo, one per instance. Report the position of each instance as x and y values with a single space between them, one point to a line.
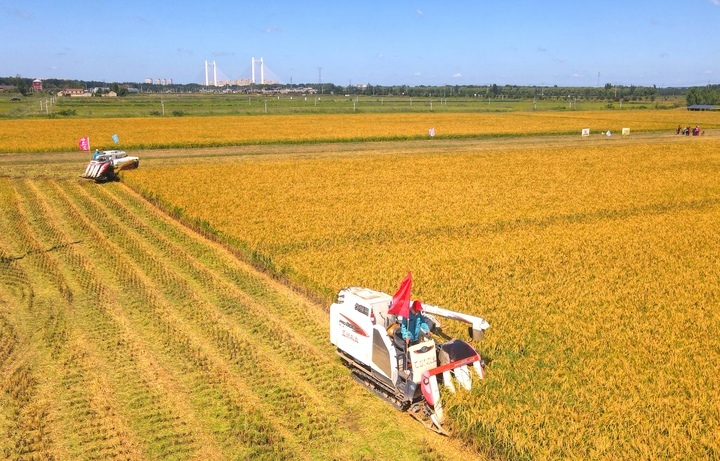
389 344
105 165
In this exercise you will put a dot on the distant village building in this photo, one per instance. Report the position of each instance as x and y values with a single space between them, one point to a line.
37 85
74 92
237 82
159 81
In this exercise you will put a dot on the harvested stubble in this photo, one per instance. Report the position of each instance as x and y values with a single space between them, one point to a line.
123 335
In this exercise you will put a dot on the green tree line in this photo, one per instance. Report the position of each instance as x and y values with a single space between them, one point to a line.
704 95
609 92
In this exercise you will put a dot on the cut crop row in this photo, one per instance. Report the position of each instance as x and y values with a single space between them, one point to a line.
296 400
156 343
124 295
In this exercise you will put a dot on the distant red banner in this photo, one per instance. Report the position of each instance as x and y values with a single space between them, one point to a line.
84 143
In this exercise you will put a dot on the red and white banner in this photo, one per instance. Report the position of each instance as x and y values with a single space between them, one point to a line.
84 143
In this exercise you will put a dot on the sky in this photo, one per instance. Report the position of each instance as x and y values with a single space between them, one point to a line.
397 42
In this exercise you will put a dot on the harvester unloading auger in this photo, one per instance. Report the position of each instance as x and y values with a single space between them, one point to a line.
105 165
364 326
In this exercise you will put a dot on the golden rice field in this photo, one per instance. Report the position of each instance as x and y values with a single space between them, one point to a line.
61 135
127 335
596 264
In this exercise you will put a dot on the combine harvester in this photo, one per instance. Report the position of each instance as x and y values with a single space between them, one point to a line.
105 165
365 328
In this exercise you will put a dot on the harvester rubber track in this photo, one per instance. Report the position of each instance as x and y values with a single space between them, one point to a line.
379 391
365 377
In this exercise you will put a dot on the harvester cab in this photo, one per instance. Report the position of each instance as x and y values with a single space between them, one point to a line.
369 342
105 165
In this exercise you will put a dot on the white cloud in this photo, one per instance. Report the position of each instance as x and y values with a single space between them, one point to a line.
420 13
18 12
457 75
717 2
272 29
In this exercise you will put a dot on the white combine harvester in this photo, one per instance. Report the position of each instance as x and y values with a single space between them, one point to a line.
369 342
106 165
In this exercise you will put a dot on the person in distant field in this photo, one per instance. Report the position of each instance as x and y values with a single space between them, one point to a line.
415 325
679 129
96 154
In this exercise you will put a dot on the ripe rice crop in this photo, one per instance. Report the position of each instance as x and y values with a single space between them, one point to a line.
61 135
595 264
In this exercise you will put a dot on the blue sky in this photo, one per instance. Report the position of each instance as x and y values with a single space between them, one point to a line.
395 42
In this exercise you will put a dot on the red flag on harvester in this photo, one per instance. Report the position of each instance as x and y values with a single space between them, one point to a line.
401 299
84 143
